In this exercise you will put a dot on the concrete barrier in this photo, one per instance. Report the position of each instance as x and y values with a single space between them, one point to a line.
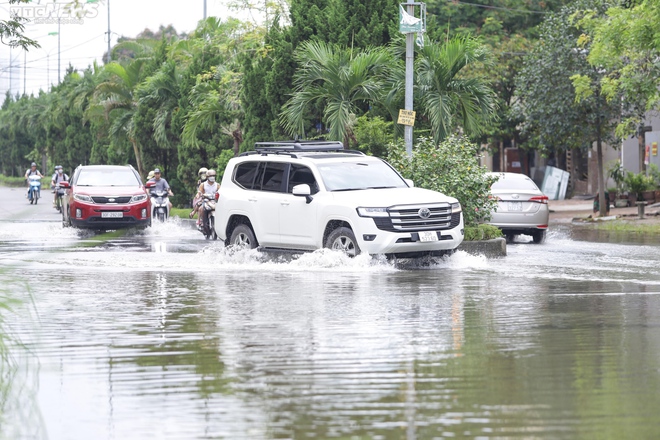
494 248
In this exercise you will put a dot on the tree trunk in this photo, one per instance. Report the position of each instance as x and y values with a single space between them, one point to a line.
238 139
642 149
602 203
138 157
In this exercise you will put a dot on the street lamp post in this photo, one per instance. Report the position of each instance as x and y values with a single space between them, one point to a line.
109 58
59 69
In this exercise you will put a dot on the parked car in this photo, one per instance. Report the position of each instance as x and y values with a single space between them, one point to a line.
521 207
105 197
307 195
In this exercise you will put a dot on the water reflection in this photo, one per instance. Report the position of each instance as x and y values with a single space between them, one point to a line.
553 341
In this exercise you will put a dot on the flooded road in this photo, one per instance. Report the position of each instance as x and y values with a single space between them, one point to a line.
161 334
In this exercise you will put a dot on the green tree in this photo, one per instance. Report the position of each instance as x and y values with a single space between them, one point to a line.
268 80
625 42
553 112
337 78
12 31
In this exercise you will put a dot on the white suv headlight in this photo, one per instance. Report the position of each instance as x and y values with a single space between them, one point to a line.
456 207
373 212
83 198
138 198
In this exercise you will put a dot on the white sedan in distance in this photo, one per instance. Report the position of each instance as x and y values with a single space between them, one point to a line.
521 207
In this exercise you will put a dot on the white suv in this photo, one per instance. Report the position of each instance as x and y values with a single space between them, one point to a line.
306 195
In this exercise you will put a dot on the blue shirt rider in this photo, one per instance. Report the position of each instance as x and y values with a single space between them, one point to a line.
161 184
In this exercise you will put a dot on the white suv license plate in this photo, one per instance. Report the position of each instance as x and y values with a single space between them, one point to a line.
112 214
426 236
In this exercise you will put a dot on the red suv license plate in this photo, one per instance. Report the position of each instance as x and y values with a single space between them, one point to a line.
112 214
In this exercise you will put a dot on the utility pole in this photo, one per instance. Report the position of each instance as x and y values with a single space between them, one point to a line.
410 64
24 71
10 69
109 57
59 67
204 9
409 25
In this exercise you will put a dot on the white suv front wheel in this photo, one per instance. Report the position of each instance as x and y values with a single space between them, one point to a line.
242 236
343 239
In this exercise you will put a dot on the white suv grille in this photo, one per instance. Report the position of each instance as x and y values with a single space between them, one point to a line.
409 218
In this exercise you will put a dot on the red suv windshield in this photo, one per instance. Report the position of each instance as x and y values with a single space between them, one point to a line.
107 177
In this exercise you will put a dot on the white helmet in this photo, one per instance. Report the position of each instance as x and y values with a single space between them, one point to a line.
201 171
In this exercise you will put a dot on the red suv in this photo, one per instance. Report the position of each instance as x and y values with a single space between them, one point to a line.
105 197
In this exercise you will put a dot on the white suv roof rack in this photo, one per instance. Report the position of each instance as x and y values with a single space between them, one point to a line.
292 148
299 146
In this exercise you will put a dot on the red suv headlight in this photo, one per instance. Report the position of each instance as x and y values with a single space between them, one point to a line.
138 198
83 198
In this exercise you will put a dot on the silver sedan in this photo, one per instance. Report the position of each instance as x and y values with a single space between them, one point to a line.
521 207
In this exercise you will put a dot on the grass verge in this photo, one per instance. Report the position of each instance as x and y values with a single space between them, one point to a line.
482 232
179 212
11 181
634 227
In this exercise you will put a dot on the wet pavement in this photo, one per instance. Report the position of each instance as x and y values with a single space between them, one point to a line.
162 334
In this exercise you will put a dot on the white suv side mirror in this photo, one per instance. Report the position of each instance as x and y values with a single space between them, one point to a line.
303 190
410 183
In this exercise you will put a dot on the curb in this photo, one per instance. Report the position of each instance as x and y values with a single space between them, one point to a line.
494 248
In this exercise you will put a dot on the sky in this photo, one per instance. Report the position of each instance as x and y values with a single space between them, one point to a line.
85 40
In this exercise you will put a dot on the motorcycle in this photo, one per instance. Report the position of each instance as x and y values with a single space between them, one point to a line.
160 205
58 199
207 225
34 191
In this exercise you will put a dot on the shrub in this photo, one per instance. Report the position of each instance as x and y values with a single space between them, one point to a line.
482 232
452 168
637 183
373 135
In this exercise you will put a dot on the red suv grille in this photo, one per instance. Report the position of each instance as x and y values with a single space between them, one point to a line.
104 200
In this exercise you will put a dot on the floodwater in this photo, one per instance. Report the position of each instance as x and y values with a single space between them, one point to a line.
164 335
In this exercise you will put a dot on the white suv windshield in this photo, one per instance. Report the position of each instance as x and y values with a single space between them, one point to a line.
348 176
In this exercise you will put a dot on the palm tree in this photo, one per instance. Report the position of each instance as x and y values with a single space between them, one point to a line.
213 105
448 96
116 95
337 78
161 92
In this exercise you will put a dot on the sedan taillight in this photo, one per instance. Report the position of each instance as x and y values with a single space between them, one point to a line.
539 199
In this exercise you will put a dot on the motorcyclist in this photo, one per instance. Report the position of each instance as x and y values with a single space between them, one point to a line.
208 187
32 171
195 204
161 185
58 177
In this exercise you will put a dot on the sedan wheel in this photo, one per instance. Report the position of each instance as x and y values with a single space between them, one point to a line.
539 236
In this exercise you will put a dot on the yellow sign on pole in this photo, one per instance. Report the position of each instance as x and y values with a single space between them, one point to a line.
406 117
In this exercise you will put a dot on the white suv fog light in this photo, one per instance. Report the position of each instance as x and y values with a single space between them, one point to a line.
369 237
78 212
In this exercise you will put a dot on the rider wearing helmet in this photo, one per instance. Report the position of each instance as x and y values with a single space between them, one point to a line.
161 185
208 187
58 177
202 178
32 171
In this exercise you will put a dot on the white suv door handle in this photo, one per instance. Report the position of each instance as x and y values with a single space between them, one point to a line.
284 202
252 200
